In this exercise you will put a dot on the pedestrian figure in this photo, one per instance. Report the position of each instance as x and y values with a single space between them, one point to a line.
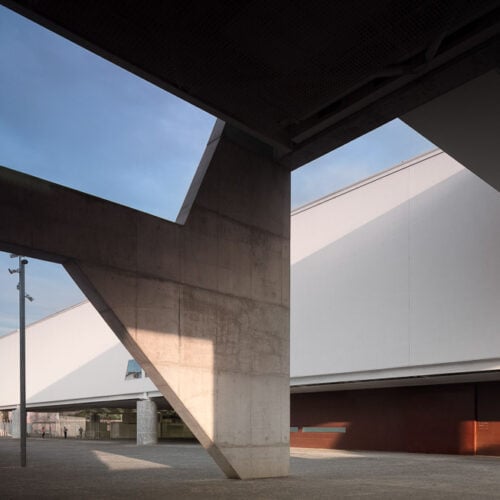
80 430
43 431
65 432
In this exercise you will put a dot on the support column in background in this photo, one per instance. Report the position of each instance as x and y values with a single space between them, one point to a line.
147 422
15 423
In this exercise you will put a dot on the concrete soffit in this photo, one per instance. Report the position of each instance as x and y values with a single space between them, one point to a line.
334 74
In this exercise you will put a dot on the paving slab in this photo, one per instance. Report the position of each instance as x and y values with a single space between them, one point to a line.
74 469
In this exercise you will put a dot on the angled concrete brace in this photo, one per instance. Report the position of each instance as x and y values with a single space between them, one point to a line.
203 306
465 123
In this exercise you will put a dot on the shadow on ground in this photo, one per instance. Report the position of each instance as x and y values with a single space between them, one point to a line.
97 469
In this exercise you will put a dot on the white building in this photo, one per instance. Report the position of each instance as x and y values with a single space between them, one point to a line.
397 276
72 359
395 313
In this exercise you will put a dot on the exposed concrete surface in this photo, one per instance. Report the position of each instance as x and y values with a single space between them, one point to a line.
203 306
16 422
466 124
147 422
90 469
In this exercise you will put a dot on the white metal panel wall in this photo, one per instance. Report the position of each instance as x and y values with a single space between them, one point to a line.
400 272
9 361
72 355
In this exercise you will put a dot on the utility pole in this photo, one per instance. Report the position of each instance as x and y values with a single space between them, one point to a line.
22 352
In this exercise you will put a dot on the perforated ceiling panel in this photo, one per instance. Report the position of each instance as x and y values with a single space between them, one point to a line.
287 71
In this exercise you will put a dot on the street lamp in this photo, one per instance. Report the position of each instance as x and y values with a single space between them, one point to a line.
22 351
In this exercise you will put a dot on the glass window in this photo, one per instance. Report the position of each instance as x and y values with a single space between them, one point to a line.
133 370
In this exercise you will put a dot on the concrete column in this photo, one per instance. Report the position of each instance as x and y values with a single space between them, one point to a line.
93 427
202 304
147 422
465 123
15 423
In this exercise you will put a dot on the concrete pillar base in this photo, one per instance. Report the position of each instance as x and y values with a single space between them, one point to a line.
147 422
15 426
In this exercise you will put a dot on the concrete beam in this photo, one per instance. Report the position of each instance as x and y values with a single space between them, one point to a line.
203 307
466 124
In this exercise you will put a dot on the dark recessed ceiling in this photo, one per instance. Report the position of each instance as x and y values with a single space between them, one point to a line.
304 76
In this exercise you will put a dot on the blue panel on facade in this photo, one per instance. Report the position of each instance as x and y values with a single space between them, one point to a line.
133 370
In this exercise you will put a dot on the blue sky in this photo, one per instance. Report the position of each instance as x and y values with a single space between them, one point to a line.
71 117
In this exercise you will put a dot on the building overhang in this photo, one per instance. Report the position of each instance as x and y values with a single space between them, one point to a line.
304 78
123 401
453 373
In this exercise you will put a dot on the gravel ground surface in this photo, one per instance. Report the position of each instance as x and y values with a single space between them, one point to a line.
73 469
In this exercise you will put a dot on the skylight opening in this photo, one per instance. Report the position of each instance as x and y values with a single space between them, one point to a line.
382 148
73 118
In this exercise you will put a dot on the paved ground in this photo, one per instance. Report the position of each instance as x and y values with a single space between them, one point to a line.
75 469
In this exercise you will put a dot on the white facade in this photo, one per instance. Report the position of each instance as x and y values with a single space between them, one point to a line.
396 276
71 357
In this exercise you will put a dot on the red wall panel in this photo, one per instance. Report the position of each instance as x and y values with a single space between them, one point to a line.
488 419
428 419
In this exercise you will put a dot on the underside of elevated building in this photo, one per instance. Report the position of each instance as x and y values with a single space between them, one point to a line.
203 304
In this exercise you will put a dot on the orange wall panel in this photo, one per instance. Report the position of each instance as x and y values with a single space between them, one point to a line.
425 419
